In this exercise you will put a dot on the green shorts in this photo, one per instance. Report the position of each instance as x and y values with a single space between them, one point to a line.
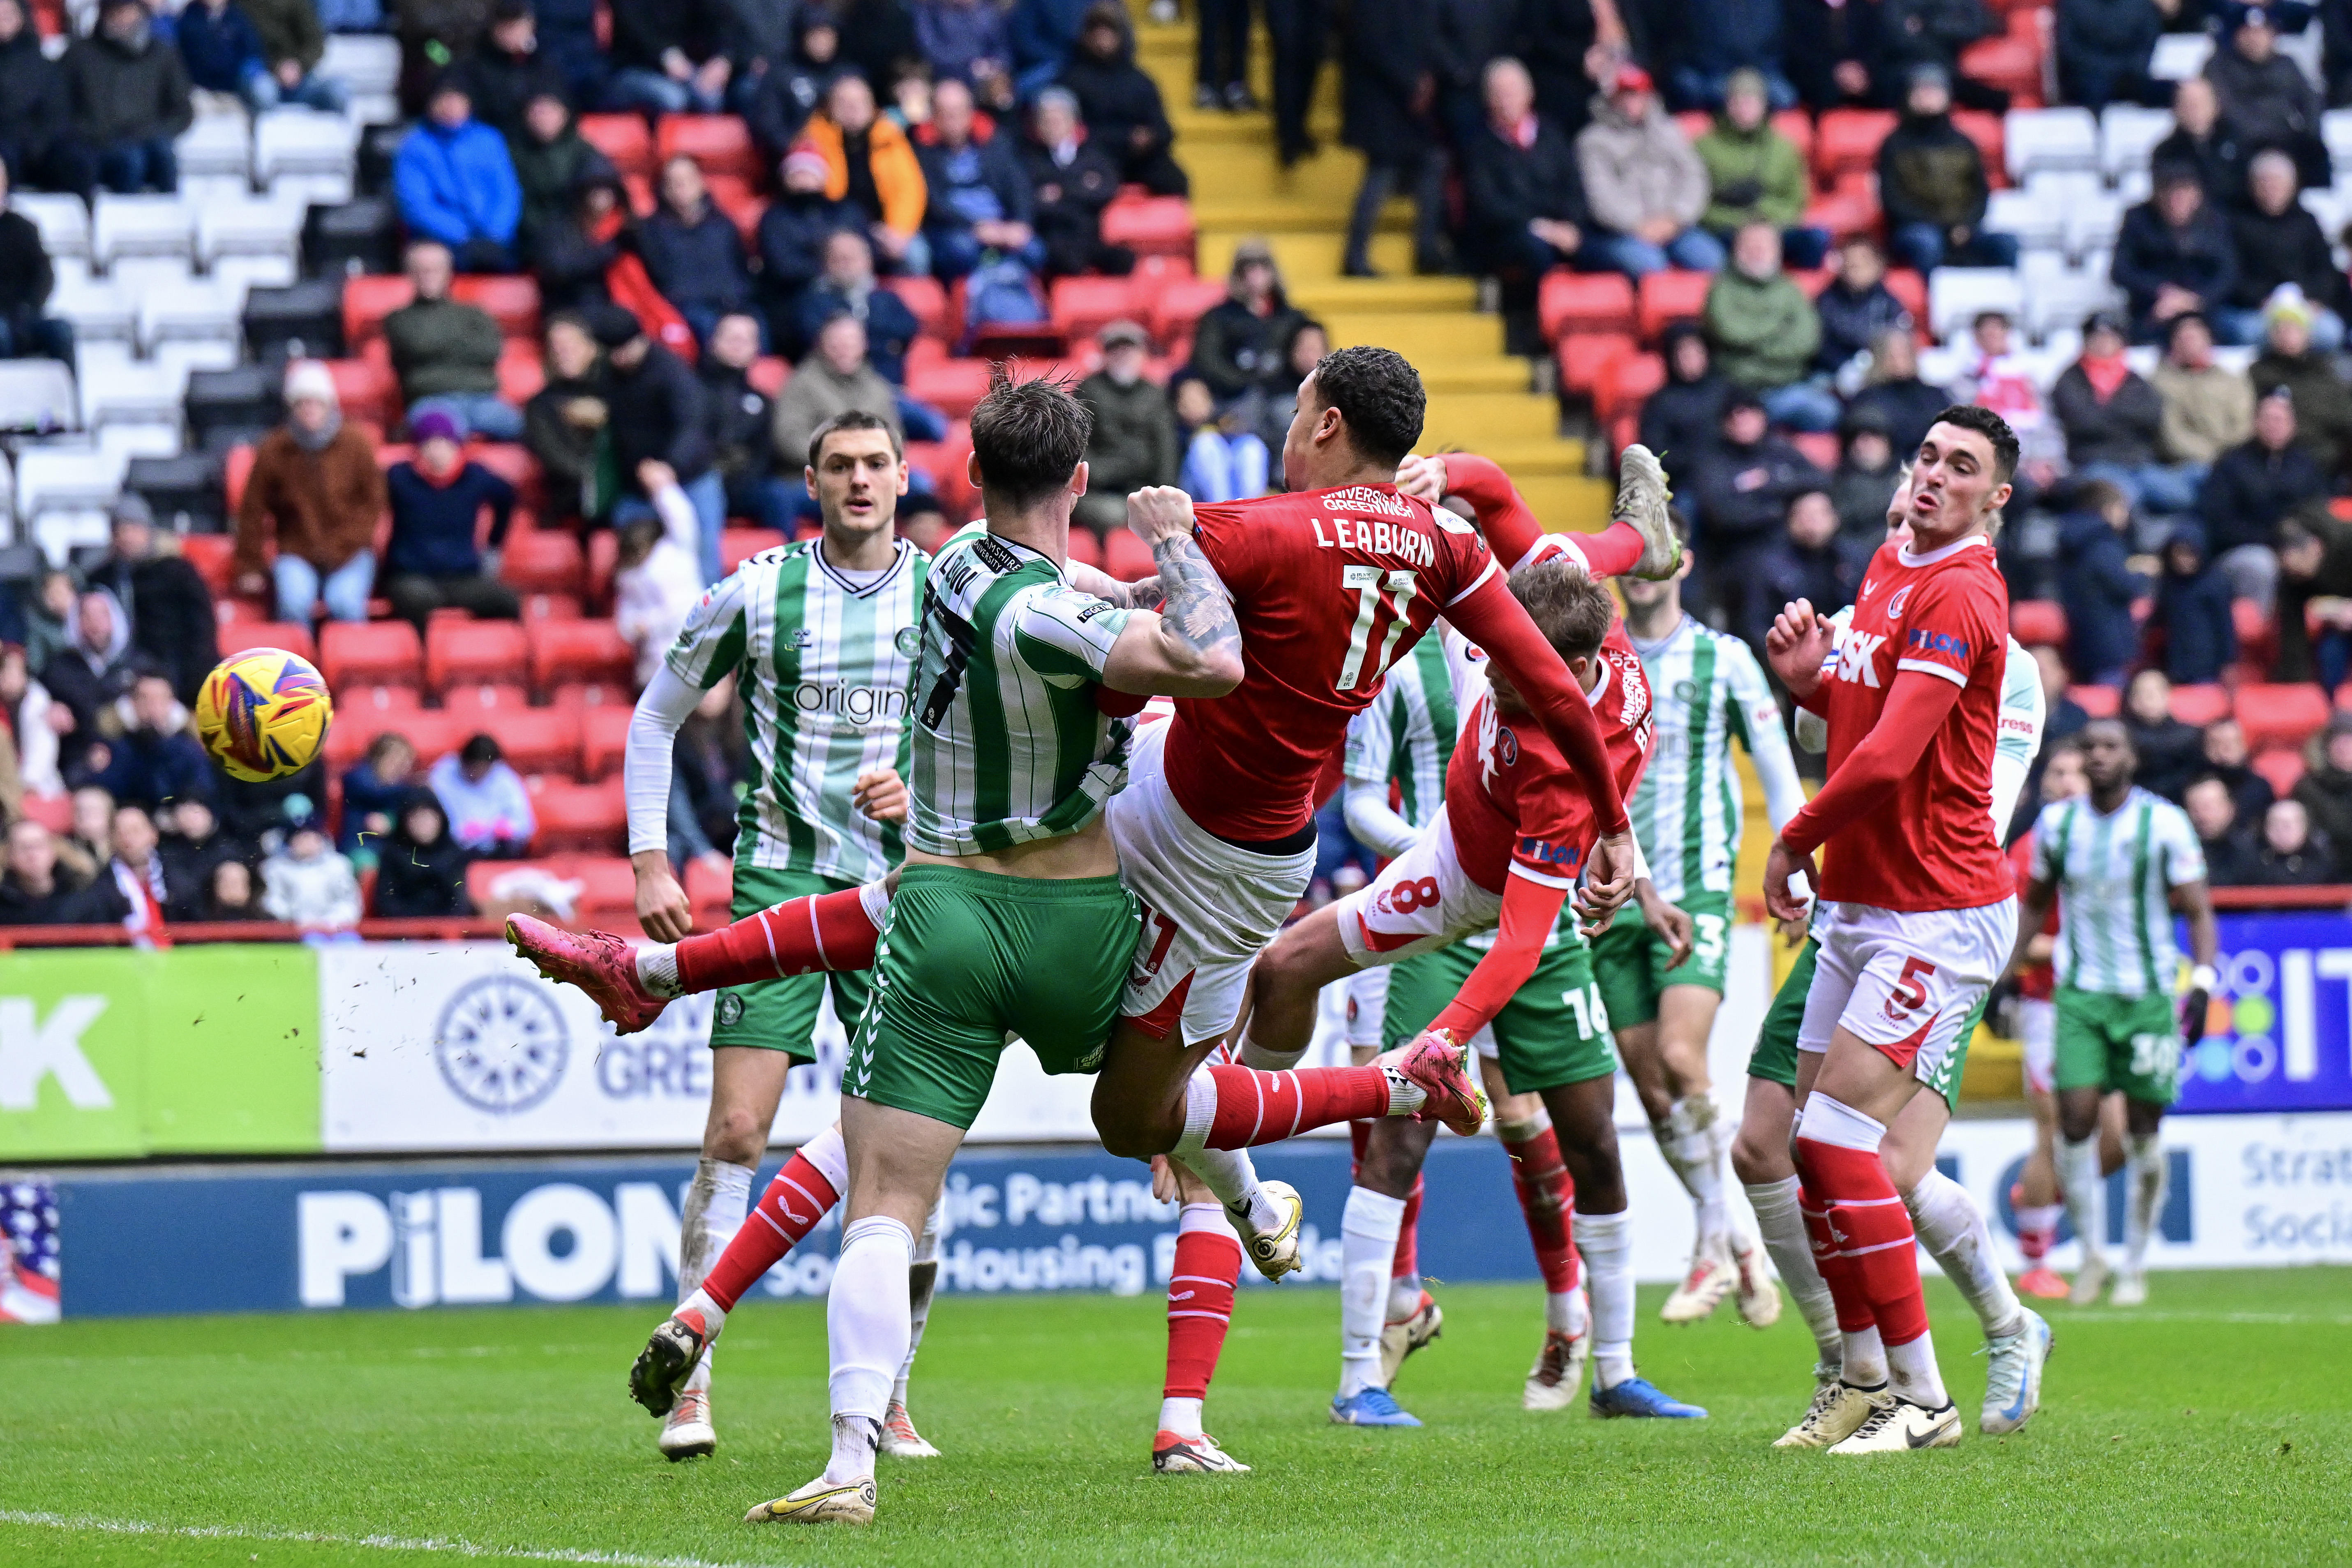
1554 1032
969 957
781 1014
2130 1044
1629 959
1774 1058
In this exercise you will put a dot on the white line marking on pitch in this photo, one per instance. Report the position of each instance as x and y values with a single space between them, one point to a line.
374 1542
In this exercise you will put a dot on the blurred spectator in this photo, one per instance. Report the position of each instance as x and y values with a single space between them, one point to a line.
92 843
489 809
1764 332
2171 753
1133 441
422 869
836 378
693 252
1997 378
1892 395
436 501
789 93
229 894
1044 35
193 848
2228 759
261 813
2064 715
265 51
563 424
155 761
33 894
433 34
1121 104
660 432
2200 141
89 672
1864 485
172 624
1912 36
39 143
1221 75
1223 459
50 615
307 884
315 489
130 99
2097 586
740 420
218 47
1072 180
2314 599
666 59
27 717
1754 173
2192 610
870 163
454 183
1307 344
553 160
1856 307
2280 247
1237 345
1810 561
580 237
2323 403
980 201
446 352
507 74
966 41
1684 417
2325 791
1299 31
1387 91
374 789
2112 419
1524 200
1744 483
1726 45
656 578
2263 95
2250 490
2221 833
2207 409
137 871
792 242
2291 853
1647 188
1932 183
922 524
878 40
847 288
2175 254
2102 51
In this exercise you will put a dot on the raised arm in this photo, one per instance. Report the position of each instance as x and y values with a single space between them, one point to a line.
1190 647
1513 531
645 765
1530 908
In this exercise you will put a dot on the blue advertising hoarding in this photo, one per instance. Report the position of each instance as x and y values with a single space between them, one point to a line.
2279 1036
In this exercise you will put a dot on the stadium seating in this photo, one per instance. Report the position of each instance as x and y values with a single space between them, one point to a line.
239 637
2276 716
542 561
383 653
584 816
603 739
580 653
460 652
2199 705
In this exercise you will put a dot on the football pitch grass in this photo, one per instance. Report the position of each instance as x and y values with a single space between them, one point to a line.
2214 1426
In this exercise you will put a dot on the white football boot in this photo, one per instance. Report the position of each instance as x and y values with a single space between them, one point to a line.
1272 1253
1702 1290
687 1432
1838 1409
1896 1425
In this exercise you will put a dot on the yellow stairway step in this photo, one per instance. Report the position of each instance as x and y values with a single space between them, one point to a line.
1308 255
1433 338
1398 290
1222 169
1481 418
1526 458
1325 209
1475 373
1568 502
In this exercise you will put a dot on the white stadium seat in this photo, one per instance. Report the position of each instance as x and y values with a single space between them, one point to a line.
36 394
96 309
201 190
216 144
133 275
2128 134
1956 295
2092 223
275 271
66 476
63 221
145 438
197 353
198 308
303 189
2050 139
255 225
374 109
2060 302
2335 130
368 63
2039 223
2179 56
114 392
61 531
141 225
302 141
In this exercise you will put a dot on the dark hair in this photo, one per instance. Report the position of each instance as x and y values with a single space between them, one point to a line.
1573 612
1994 428
1028 435
483 747
1379 395
638 538
852 419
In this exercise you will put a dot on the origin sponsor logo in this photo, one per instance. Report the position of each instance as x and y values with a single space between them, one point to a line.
858 704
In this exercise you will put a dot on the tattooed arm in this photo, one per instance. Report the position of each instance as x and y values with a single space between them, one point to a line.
1145 595
1188 644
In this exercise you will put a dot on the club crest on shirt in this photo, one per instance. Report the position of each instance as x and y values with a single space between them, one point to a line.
1894 606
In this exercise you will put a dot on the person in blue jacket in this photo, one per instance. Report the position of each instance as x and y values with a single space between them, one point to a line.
454 182
1044 33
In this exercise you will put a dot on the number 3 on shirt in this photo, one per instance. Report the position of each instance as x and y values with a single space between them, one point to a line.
1366 583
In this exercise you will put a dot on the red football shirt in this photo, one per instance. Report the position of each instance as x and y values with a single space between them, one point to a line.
1330 587
1513 804
1931 847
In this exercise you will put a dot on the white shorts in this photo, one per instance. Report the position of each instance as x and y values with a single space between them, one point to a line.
2037 1022
1421 901
1367 1005
1904 982
1208 907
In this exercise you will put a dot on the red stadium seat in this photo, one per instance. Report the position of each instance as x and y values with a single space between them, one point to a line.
1179 303
1085 306
607 899
604 555
952 386
512 302
353 699
1588 359
1126 557
2282 768
2281 715
1985 130
1911 289
1584 302
769 374
1627 387
551 607
522 370
952 477
603 739
590 816
926 298
2011 63
1150 226
1798 127
579 653
718 145
711 885
433 735
1820 448
1693 123
367 389
2257 633
624 139
1848 139
490 697
2036 621
1845 212
542 561
293 638
2199 705
380 653
535 741
367 299
463 653
1672 295
1085 548
213 556
743 206
737 545
54 812
237 468
2098 701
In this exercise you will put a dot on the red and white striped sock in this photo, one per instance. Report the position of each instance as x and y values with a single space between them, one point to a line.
1540 1177
799 936
1240 1107
803 1193
1200 1309
1863 1221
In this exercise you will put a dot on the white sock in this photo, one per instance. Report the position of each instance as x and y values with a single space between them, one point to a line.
2144 1183
1782 1223
1689 1144
1404 1291
1181 1416
2085 1189
1252 1054
1913 1375
716 1201
922 1279
1405 1096
1368 1238
1608 1250
657 968
868 1324
1230 1174
1864 1364
1565 1313
1952 1229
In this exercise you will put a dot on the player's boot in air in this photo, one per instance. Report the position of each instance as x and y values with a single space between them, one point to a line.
1401 1338
1640 1396
1272 1253
2089 1283
1442 1069
598 963
1837 1410
1559 1372
1197 1456
819 1502
899 1438
2014 1380
2131 1288
1760 1294
687 1432
1702 1290
1371 1407
1896 1425
667 1360
1642 497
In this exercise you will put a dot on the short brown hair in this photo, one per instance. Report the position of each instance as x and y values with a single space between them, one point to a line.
1573 612
852 419
1028 435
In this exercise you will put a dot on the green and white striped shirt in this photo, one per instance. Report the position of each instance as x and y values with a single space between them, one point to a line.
824 661
1406 737
1009 746
1707 690
2115 877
